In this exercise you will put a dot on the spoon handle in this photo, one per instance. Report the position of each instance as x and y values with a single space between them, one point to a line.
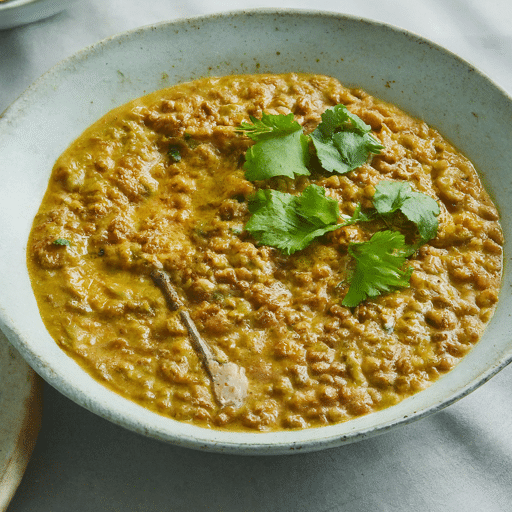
229 382
174 302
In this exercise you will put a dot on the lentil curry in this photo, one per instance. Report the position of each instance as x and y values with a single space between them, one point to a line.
159 183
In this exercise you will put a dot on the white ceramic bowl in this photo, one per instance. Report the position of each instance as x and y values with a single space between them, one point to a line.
422 78
20 12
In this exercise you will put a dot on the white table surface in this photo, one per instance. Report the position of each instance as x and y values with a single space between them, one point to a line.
457 460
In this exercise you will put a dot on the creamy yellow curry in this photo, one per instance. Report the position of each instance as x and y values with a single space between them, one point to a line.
160 183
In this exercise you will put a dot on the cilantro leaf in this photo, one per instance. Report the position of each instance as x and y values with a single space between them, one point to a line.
281 148
343 141
61 241
269 126
316 207
283 155
174 153
423 210
359 216
340 118
290 223
379 267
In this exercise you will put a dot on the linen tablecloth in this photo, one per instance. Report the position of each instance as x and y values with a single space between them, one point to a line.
457 460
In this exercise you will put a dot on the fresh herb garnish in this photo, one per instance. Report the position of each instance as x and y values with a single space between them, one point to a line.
269 126
174 153
343 141
393 196
379 267
61 241
191 143
290 223
280 219
281 148
380 262
359 216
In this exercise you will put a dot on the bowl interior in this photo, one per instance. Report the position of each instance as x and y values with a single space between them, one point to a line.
420 77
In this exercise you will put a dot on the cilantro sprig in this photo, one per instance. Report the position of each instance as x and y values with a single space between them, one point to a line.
380 262
421 209
269 126
291 222
379 267
288 222
342 142
392 197
280 219
281 148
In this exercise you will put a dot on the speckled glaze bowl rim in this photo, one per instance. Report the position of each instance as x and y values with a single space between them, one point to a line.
14 13
115 65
